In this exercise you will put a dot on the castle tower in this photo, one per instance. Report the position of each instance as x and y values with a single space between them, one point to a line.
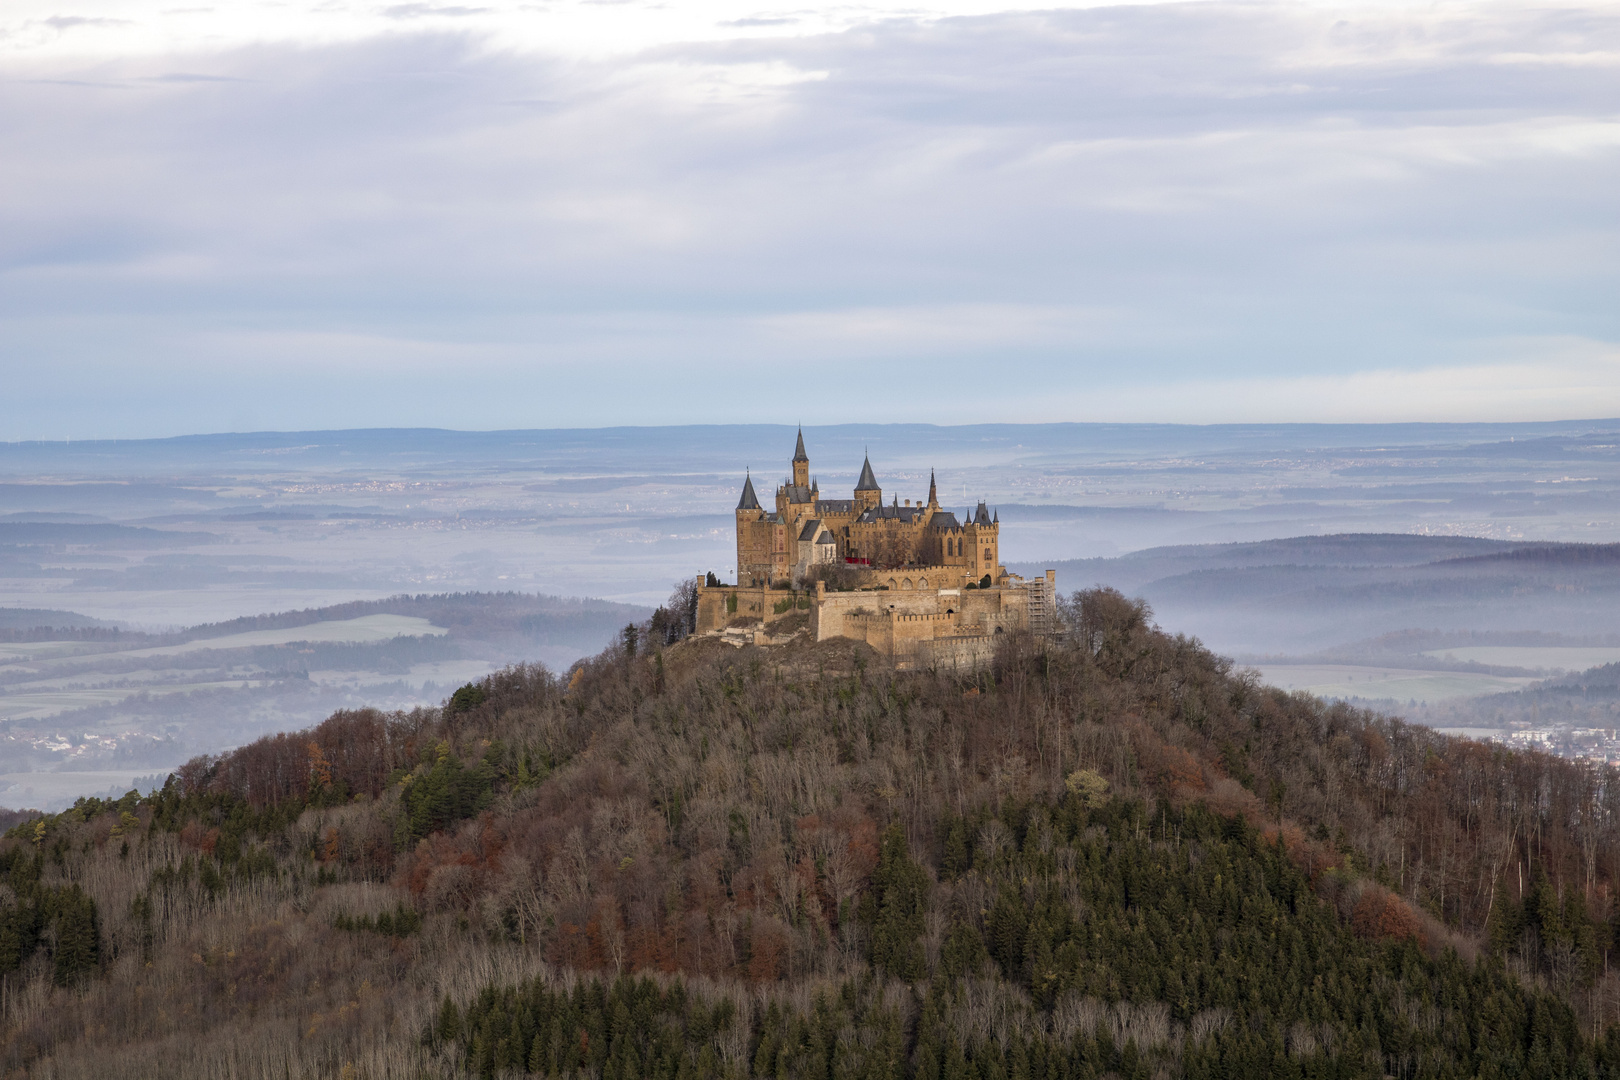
933 492
801 463
983 536
750 551
867 492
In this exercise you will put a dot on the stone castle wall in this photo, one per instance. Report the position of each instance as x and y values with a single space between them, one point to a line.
933 627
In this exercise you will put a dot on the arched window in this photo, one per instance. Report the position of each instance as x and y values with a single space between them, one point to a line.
923 584
906 584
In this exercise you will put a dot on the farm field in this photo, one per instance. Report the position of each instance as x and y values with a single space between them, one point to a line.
366 629
1401 684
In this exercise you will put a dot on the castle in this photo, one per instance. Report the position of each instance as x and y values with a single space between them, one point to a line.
912 580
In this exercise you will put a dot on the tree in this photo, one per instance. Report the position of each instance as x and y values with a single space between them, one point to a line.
895 907
677 618
467 699
78 937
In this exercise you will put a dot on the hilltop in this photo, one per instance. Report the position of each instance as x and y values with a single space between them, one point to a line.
1110 854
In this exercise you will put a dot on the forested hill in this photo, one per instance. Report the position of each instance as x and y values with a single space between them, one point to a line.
1111 855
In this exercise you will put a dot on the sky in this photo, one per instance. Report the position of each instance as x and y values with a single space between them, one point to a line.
494 214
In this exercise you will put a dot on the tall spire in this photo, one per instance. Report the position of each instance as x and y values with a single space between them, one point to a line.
867 482
749 500
933 495
798 451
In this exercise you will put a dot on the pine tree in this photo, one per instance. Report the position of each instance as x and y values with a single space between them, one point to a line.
78 937
895 908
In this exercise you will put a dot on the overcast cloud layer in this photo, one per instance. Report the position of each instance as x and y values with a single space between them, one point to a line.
1201 212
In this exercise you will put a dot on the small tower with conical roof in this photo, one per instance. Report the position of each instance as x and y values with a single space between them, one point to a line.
867 492
752 550
801 463
933 492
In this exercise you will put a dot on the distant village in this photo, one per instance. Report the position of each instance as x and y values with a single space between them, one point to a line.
1566 740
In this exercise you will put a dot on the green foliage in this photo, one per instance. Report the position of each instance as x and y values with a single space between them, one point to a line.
62 920
894 909
467 698
446 793
78 937
401 922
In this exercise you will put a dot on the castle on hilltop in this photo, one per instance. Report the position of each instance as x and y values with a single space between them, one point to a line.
911 579
918 546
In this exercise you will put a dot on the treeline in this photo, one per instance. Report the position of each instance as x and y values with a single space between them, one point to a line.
1107 854
44 632
1586 699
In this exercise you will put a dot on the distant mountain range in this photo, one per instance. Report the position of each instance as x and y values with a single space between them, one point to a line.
1304 595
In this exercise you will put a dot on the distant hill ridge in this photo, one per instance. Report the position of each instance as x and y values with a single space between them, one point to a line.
1306 594
443 609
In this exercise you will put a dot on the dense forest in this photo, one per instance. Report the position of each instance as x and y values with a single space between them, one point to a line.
1111 855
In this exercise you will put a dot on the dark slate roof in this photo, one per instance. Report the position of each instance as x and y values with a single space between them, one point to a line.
749 500
867 482
797 493
835 506
944 519
798 451
981 516
891 513
810 529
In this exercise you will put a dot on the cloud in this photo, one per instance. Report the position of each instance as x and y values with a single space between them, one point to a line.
69 22
419 11
1213 211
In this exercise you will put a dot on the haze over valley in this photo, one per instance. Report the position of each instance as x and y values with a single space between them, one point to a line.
214 588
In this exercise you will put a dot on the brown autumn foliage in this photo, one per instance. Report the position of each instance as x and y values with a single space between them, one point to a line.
1382 915
715 813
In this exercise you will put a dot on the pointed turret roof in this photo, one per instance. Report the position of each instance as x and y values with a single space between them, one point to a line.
933 495
867 482
798 451
981 515
749 500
